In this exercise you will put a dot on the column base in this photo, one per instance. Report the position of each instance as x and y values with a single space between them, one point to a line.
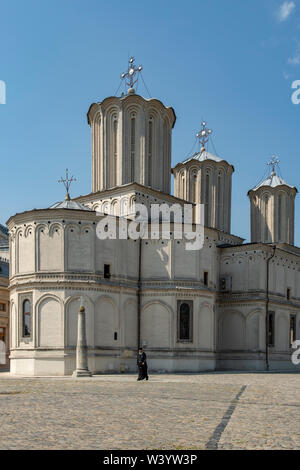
81 373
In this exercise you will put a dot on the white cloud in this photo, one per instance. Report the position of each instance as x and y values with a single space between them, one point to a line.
294 60
285 10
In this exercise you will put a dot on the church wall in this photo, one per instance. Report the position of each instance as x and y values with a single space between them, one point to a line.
114 311
160 313
246 267
182 258
284 274
25 250
129 323
255 330
12 256
13 324
157 259
241 317
80 247
282 324
241 336
107 322
156 321
5 329
49 240
237 332
71 318
111 315
122 256
50 323
206 326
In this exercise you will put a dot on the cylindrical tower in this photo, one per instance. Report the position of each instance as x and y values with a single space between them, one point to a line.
272 210
206 179
131 142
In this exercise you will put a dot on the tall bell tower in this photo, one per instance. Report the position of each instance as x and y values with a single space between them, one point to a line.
131 139
272 204
206 179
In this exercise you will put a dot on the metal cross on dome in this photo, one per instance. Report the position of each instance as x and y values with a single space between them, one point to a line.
131 72
273 162
203 135
67 183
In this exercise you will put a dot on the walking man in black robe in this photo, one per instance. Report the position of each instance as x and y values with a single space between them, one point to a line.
142 365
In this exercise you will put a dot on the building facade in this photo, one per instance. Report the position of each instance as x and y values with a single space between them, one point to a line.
4 314
228 305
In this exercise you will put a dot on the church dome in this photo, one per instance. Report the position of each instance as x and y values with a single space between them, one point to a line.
272 181
68 204
202 156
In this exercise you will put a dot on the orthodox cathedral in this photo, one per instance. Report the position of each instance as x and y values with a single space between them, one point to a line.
229 305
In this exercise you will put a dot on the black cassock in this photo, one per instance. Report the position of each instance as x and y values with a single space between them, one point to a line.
142 365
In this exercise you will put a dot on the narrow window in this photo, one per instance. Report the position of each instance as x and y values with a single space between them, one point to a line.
266 220
165 154
132 149
206 215
219 200
2 307
288 294
150 152
115 152
205 278
279 217
106 271
182 180
292 329
184 321
271 328
115 336
193 187
26 319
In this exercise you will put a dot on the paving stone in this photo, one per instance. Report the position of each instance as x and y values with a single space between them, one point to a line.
187 411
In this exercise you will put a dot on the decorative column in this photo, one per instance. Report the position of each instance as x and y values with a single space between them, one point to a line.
81 348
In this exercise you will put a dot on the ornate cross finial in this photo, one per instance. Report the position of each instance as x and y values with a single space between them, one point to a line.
67 183
203 135
131 74
273 162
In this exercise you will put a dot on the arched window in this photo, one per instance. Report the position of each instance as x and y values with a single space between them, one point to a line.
266 215
182 186
165 154
26 319
115 151
132 147
150 152
206 214
193 185
220 199
279 217
184 320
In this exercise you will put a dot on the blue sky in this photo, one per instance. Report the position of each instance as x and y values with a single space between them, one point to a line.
230 62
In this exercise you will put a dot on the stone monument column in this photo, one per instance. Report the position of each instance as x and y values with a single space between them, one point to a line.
81 348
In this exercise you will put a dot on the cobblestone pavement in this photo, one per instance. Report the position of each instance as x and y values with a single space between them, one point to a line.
203 411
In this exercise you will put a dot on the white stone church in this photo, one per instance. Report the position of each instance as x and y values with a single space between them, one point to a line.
229 305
